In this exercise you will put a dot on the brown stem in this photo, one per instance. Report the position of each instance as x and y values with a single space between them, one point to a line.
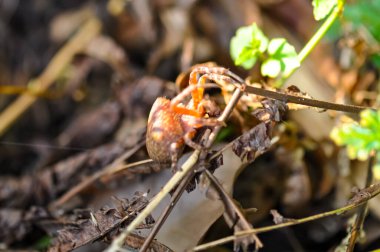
362 211
303 100
370 192
173 201
230 205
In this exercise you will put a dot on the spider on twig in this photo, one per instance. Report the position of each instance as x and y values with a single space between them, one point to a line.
172 123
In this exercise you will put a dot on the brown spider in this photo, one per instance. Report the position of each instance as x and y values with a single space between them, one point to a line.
171 123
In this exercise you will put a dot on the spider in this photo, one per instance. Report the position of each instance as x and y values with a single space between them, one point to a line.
171 124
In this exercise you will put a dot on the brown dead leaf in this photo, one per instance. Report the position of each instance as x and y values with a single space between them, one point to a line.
100 224
254 142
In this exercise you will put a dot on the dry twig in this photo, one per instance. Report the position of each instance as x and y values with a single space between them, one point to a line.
362 211
358 200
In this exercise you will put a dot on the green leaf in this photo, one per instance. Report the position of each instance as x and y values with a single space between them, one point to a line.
271 68
322 8
362 138
247 45
282 58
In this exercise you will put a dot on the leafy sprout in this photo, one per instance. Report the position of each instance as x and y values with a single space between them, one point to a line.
282 58
250 44
247 45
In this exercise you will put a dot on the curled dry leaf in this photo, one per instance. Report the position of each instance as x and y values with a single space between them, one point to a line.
272 110
100 224
254 142
258 139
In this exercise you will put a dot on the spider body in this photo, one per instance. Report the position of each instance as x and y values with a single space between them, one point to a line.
164 132
171 123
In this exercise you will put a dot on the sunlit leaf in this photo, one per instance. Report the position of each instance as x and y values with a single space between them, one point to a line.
282 58
360 139
271 68
247 45
322 8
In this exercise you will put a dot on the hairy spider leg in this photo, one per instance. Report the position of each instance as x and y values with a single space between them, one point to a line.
193 118
223 81
197 94
175 103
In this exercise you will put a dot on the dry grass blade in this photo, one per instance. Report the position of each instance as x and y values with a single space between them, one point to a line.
362 211
234 212
76 44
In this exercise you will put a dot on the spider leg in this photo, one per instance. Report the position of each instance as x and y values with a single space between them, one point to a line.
223 81
174 104
175 149
230 77
197 112
188 140
214 70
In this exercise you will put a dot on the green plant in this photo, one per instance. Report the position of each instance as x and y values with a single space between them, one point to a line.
278 57
250 44
360 138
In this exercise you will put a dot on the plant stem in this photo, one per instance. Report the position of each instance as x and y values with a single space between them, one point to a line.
173 201
311 44
358 225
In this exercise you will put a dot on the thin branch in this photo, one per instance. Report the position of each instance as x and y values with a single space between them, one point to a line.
230 205
173 201
76 44
303 100
370 192
358 225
